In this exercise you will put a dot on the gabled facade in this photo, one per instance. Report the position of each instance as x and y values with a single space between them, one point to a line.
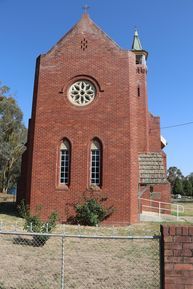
90 128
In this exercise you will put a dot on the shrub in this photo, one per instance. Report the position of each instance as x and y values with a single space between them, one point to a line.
91 212
34 224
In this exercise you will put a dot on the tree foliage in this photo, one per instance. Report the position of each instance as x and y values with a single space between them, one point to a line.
190 178
91 209
180 184
12 139
174 173
178 187
187 187
90 213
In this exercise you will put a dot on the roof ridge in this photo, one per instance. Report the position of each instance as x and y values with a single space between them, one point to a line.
84 20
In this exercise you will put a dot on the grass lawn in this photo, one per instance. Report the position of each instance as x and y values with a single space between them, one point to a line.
9 215
88 263
188 208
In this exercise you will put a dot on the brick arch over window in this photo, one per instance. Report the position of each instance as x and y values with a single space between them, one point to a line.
96 162
75 78
65 160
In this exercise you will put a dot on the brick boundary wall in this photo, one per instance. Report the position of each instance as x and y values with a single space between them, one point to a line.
177 256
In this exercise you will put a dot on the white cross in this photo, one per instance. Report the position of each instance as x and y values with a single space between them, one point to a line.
85 8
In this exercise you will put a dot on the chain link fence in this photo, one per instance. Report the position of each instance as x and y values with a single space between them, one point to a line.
60 261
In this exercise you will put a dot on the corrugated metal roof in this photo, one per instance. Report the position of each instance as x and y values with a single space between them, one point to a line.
151 169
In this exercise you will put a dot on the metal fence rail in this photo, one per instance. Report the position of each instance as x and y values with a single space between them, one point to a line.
161 208
59 261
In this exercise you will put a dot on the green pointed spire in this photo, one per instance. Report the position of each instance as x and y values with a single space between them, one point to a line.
136 42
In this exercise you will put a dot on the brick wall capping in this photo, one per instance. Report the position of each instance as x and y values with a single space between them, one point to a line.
177 230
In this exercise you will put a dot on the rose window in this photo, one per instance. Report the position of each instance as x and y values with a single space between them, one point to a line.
82 92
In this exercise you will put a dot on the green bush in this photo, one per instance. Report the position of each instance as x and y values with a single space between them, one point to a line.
34 224
90 213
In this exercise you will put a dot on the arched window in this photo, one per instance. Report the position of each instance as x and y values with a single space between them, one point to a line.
65 152
96 163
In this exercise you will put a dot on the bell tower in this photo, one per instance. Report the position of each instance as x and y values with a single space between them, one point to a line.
141 54
141 92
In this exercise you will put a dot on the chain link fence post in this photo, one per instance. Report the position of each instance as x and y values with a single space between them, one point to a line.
161 252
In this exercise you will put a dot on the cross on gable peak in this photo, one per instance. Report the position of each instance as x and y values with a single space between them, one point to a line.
85 8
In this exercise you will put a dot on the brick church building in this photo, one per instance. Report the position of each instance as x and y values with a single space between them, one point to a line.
90 128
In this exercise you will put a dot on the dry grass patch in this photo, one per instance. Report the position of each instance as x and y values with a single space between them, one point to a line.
188 208
88 263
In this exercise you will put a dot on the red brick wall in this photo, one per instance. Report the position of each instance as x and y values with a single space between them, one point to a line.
111 118
142 113
118 117
178 256
161 193
154 133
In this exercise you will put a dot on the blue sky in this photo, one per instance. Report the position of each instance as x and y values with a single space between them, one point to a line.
29 28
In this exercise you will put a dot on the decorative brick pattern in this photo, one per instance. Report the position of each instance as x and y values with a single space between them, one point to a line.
178 256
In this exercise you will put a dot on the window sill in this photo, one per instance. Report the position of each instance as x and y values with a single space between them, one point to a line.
94 188
62 188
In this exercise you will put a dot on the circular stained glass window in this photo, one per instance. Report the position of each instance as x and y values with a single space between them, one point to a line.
81 92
